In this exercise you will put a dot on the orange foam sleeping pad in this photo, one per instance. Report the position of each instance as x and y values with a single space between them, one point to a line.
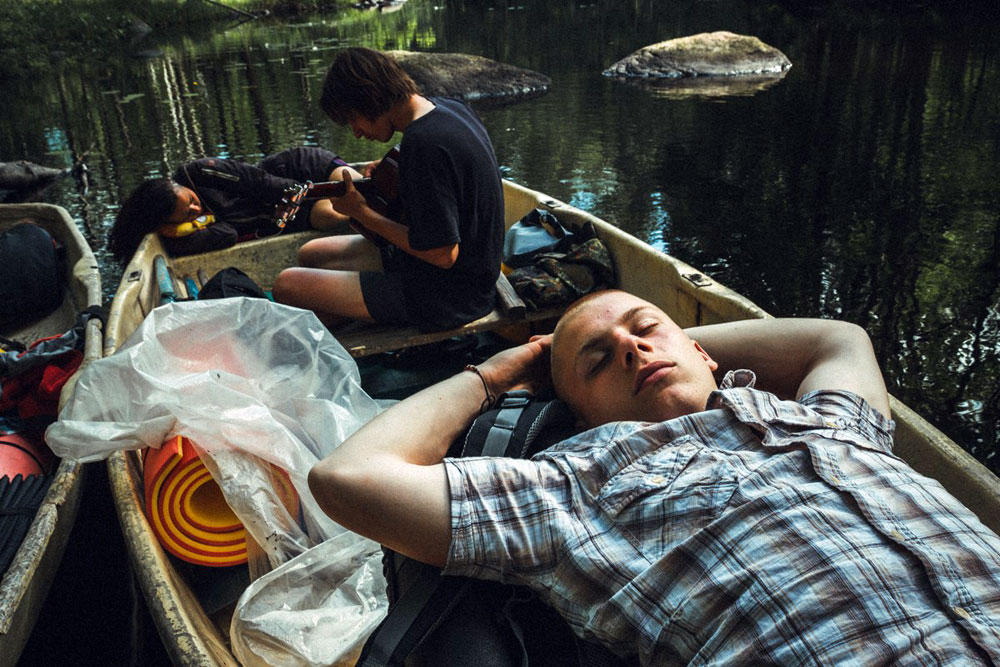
187 510
22 455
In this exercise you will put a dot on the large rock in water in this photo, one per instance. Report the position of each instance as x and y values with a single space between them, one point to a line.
706 54
23 175
469 77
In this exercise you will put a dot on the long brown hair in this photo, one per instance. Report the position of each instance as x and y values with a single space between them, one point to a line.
363 81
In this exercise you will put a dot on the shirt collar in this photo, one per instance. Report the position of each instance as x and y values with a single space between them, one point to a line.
739 378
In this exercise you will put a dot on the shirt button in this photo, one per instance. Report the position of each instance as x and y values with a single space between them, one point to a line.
961 612
835 480
896 535
831 424
657 479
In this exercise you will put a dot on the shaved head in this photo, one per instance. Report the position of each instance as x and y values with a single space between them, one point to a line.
617 357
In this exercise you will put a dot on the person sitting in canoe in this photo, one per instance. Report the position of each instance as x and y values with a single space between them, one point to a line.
211 203
692 522
440 257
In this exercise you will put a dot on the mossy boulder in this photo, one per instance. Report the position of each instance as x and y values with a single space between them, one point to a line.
706 54
469 77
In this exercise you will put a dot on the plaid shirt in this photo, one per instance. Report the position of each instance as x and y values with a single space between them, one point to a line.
757 531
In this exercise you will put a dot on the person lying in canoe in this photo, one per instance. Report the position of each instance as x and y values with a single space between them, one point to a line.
761 521
211 203
440 258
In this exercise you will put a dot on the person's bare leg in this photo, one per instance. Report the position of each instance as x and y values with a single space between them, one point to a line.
323 216
328 279
332 295
349 252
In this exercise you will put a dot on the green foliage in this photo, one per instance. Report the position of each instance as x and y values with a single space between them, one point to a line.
40 32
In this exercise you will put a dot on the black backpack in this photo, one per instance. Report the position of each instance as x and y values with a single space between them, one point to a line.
448 621
231 282
31 274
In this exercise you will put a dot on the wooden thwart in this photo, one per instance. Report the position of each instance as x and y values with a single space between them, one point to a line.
362 340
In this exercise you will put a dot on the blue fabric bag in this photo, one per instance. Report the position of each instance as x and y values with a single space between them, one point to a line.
535 233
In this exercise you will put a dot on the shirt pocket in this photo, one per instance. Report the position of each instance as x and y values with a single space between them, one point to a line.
660 498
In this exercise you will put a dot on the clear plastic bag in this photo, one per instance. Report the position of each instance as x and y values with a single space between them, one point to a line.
248 382
315 609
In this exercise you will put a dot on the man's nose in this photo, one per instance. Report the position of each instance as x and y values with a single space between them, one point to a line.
630 348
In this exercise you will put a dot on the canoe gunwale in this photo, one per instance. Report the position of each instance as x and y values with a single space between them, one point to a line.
187 634
26 583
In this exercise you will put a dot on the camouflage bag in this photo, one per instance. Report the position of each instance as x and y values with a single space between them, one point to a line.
577 265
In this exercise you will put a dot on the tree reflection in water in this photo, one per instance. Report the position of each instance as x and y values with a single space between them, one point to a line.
861 186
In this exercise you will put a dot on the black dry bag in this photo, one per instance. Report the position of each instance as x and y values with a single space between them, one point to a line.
31 274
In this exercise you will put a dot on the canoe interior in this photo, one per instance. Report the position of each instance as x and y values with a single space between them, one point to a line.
689 296
26 583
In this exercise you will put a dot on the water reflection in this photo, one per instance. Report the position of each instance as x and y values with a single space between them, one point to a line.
704 86
860 186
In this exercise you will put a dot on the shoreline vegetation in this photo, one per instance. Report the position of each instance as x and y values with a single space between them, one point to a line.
41 33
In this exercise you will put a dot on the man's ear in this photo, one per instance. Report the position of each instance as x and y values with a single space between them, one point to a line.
712 363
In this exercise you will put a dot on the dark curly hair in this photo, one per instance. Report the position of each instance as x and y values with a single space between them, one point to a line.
363 81
144 211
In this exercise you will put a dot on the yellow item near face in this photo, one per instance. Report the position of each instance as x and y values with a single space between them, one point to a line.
177 230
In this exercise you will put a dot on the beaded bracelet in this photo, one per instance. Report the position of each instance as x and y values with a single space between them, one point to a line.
488 401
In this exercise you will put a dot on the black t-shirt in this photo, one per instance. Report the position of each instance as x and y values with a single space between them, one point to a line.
450 192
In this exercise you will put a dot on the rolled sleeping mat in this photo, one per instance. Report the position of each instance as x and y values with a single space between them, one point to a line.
187 510
20 455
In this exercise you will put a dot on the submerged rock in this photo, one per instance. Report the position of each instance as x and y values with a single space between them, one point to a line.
706 54
22 175
469 77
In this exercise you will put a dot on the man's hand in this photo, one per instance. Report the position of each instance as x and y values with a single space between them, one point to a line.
522 367
352 203
370 167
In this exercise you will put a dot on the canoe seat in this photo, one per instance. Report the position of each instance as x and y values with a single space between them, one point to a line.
362 339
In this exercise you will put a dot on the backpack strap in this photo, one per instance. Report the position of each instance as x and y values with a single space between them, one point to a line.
416 614
509 409
514 426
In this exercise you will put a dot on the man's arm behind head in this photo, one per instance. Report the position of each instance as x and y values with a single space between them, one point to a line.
792 357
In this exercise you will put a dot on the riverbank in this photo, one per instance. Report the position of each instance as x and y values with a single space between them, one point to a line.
38 33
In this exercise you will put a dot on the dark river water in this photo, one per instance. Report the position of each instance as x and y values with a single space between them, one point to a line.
862 186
